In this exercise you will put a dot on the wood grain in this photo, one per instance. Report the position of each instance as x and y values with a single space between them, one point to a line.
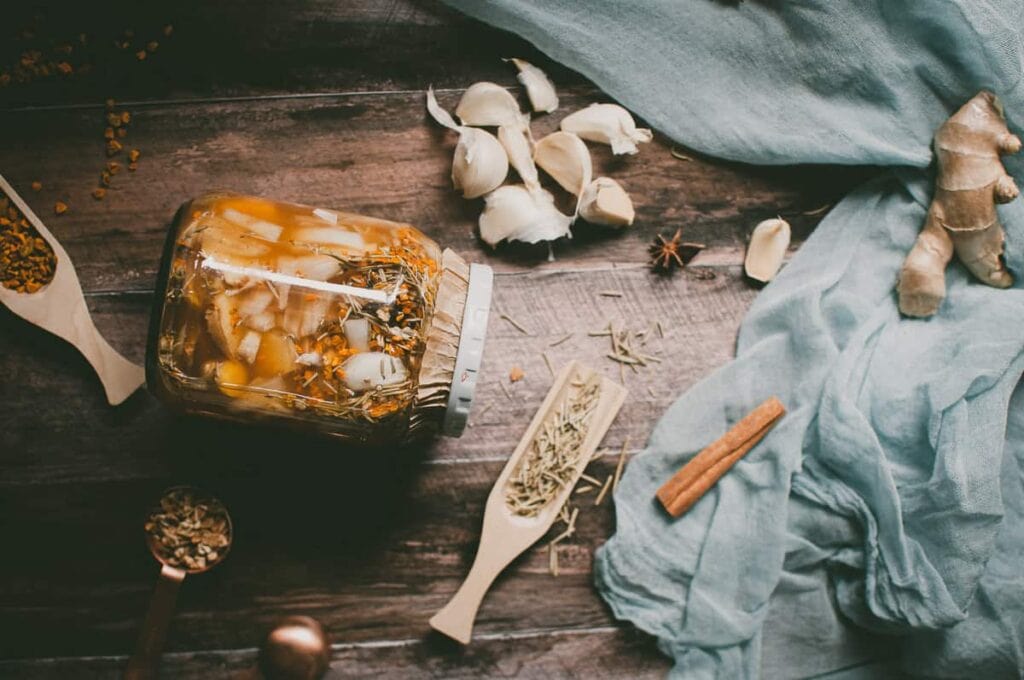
370 153
321 102
264 47
57 427
594 653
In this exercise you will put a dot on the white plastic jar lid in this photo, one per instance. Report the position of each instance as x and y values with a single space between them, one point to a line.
471 349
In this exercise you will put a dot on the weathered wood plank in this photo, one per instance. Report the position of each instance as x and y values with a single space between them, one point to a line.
371 547
258 47
598 653
56 425
370 153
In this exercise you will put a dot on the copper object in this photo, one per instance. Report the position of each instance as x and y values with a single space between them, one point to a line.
143 662
297 649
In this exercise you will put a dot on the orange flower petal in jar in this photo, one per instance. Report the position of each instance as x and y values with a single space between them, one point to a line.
354 327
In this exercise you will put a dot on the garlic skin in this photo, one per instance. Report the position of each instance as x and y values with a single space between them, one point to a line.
605 202
607 124
565 157
539 88
480 163
516 213
490 105
768 244
517 146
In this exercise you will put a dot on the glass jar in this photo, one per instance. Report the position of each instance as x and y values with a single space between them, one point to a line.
343 324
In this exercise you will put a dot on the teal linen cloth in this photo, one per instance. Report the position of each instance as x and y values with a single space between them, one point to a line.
900 466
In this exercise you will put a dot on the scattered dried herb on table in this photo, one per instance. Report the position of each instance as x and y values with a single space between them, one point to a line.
27 262
189 530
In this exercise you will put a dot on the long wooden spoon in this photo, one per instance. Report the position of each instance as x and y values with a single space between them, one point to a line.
505 535
59 307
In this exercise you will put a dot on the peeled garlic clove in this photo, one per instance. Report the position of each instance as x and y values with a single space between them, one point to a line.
539 87
480 163
249 346
372 369
357 333
607 124
315 267
517 146
264 230
604 201
565 157
516 213
490 105
768 244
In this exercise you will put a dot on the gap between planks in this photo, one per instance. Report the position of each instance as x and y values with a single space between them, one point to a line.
341 646
241 99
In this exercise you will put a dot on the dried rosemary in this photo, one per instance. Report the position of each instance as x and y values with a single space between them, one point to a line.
550 462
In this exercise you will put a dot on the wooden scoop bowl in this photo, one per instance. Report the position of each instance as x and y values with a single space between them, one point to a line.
506 535
59 307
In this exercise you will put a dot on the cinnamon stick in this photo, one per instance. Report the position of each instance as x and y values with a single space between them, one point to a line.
693 480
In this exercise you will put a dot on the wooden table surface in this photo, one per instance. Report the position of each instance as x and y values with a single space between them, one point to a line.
321 102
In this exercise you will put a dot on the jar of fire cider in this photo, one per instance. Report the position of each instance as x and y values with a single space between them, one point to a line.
338 323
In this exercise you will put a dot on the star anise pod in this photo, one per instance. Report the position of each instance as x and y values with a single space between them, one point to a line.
668 254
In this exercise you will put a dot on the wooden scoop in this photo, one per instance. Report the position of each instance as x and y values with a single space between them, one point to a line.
506 535
59 307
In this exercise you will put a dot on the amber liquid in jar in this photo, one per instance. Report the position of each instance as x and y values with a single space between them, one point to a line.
275 309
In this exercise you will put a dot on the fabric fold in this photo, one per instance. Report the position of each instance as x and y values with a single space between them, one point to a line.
896 476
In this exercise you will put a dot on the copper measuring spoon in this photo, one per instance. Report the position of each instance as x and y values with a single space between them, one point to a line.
59 307
143 662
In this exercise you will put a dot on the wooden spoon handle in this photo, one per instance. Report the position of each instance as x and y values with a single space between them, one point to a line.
119 376
142 665
456 618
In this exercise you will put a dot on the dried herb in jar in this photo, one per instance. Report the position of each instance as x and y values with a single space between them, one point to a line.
27 262
189 530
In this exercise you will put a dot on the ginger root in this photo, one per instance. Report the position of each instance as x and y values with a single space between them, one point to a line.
962 217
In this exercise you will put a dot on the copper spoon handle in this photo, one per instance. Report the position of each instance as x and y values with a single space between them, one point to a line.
142 664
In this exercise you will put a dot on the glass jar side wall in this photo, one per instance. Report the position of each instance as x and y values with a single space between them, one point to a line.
285 312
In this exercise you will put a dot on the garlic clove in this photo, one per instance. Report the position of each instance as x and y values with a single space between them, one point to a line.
357 333
480 164
516 213
438 113
249 346
604 201
607 124
768 244
490 105
539 88
565 157
368 370
517 146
